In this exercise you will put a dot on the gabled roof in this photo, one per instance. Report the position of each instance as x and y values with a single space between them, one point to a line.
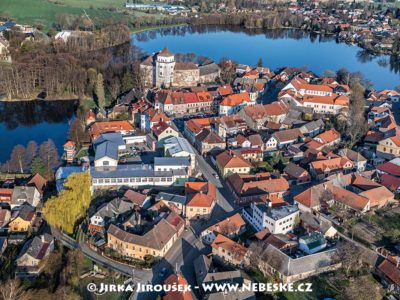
294 170
200 194
390 270
235 99
328 136
238 252
288 135
38 181
230 225
228 159
209 137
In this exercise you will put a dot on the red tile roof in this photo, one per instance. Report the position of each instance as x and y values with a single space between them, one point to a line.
235 99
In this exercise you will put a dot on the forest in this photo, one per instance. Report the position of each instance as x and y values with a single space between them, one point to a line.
102 62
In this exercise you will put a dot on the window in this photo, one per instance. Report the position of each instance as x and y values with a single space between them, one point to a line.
106 163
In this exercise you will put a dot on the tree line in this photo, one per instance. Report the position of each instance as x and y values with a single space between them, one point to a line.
33 158
101 64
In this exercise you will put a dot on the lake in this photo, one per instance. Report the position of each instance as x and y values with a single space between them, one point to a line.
23 121
277 48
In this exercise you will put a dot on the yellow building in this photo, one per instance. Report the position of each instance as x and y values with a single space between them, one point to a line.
229 162
155 242
201 199
389 148
23 221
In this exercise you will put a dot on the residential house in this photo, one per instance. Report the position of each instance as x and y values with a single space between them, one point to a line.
328 138
39 182
288 137
206 274
6 195
155 242
359 161
256 116
207 141
69 151
25 195
194 126
229 251
232 104
23 219
256 188
34 251
274 262
323 168
228 162
279 219
229 125
230 227
163 131
139 200
390 272
389 148
296 175
201 199
312 128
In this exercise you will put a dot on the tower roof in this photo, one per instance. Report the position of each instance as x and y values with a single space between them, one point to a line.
165 53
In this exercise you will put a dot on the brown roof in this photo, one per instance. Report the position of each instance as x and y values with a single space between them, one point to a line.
288 135
254 185
228 159
200 194
378 196
238 252
156 238
165 52
209 137
99 128
135 197
390 270
295 171
177 280
38 181
230 225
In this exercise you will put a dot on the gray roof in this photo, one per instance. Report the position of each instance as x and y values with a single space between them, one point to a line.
128 171
171 161
37 247
292 266
293 170
114 208
107 149
209 69
115 137
311 126
278 212
171 198
202 265
177 144
23 194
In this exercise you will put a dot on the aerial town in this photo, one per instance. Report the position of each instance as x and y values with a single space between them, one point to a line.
207 174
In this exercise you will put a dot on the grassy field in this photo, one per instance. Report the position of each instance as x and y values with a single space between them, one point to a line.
43 12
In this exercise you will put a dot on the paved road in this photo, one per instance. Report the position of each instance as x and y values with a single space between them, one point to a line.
182 254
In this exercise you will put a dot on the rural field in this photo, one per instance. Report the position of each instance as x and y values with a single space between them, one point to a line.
43 12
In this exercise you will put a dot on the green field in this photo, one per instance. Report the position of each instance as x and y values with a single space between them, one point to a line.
43 12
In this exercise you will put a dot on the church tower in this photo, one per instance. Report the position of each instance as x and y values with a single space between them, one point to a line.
165 64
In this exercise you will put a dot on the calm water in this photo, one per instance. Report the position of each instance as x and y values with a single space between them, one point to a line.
277 48
21 122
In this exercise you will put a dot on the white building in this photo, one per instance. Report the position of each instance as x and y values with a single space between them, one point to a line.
165 64
281 219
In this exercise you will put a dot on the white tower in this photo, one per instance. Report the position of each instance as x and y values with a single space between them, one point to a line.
165 64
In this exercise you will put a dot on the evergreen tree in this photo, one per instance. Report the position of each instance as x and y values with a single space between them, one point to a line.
38 167
99 91
127 81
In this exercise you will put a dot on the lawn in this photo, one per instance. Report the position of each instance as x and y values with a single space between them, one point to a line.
43 12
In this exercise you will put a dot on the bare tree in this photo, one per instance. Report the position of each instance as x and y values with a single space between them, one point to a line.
17 161
49 155
31 152
12 290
